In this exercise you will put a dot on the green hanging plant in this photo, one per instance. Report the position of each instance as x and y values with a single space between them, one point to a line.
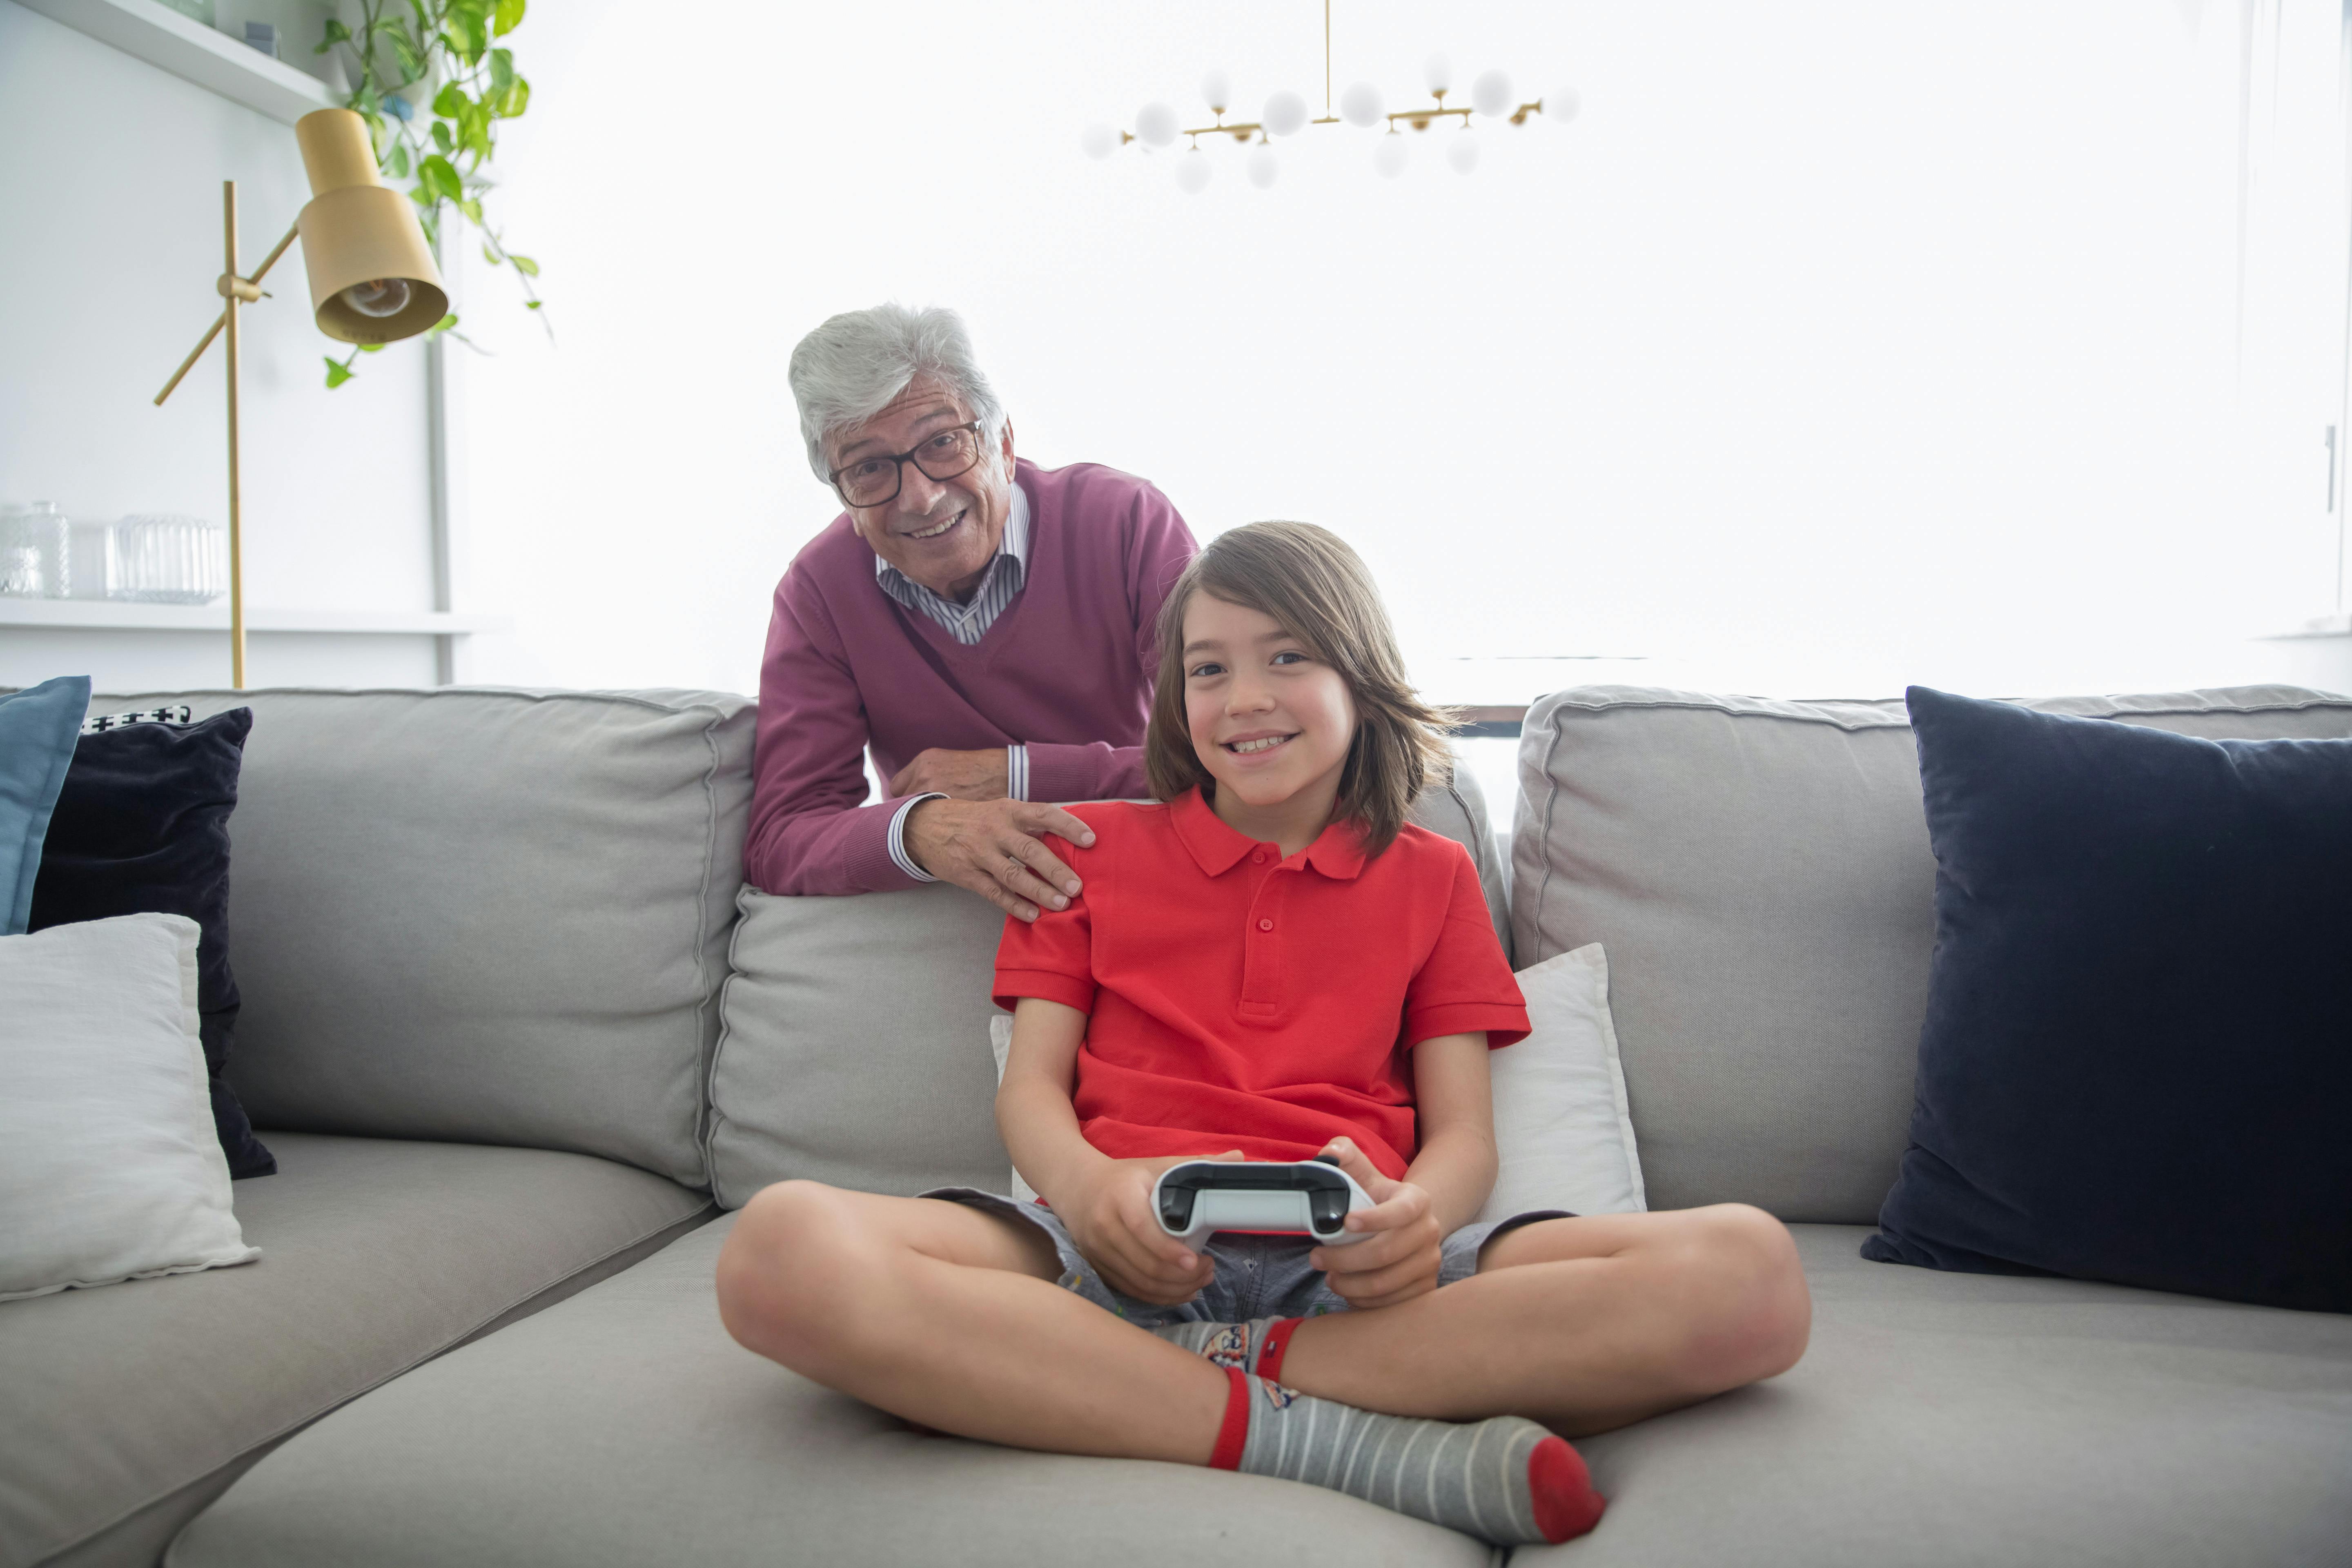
439 149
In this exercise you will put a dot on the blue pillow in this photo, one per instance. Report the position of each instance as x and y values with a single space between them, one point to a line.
2137 1061
141 827
38 728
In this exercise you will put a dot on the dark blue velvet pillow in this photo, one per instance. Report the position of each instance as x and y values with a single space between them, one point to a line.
141 825
2137 1062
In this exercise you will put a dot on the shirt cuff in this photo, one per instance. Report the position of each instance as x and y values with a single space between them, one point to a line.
898 856
1016 773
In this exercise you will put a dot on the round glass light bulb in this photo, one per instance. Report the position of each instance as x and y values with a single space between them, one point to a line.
1361 105
1561 104
1490 95
1284 114
1192 172
1263 167
1155 125
1438 72
378 297
1098 141
1389 154
1462 150
1217 88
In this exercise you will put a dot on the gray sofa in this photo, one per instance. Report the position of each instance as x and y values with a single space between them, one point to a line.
520 1039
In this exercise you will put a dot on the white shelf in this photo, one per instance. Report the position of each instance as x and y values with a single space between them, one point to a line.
2335 626
110 616
193 52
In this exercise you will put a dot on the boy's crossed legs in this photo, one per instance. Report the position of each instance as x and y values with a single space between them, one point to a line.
949 1316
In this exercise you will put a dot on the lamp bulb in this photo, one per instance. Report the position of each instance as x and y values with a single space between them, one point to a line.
1098 141
378 297
1286 114
1192 172
1438 71
1155 125
1490 95
1462 150
1561 104
1217 89
1390 153
1263 167
1361 105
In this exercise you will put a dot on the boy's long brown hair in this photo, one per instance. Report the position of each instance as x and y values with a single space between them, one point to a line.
1317 590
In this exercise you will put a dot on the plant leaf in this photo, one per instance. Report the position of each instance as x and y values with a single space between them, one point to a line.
524 264
335 33
514 101
510 16
532 304
450 101
336 374
439 178
472 209
442 138
489 255
398 162
501 69
371 348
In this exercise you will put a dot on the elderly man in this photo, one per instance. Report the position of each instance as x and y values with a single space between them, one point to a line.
982 625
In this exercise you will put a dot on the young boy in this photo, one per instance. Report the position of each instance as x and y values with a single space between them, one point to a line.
1269 963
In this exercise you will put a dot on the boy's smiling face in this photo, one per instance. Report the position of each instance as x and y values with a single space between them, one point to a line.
1270 722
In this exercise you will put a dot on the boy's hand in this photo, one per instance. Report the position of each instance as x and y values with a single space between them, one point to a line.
1113 1225
1397 1258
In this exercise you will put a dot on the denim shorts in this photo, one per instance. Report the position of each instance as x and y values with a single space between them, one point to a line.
1257 1275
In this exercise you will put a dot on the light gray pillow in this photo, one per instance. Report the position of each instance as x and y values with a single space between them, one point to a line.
109 1168
485 916
1761 874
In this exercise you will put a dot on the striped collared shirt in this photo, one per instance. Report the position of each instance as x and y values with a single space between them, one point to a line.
1001 578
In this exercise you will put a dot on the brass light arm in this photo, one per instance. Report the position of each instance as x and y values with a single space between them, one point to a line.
226 286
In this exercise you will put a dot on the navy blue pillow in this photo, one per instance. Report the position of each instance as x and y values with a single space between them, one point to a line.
141 825
2137 1062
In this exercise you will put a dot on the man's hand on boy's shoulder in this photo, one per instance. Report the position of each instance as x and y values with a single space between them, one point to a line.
1111 1220
1397 1258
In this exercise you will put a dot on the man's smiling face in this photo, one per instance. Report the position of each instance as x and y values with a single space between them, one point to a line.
940 533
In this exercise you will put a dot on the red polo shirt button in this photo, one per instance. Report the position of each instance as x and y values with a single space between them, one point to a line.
1266 925
1257 857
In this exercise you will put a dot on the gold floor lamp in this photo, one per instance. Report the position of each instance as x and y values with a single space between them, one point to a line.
372 282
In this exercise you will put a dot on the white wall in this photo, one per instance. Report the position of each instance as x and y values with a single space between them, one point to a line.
112 238
1838 345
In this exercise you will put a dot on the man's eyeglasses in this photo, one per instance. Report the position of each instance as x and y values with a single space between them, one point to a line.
942 455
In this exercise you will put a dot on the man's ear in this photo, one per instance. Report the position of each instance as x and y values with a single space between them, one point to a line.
1005 445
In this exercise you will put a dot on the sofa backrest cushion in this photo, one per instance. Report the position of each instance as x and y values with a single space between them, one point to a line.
855 1047
1761 874
485 916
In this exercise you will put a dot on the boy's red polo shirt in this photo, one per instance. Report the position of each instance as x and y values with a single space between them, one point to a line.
1240 1000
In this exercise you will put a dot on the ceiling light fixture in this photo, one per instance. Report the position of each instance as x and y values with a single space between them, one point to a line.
1157 125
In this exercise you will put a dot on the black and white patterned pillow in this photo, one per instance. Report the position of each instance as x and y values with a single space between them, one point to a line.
99 724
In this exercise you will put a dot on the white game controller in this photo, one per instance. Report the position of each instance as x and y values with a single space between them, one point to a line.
1304 1197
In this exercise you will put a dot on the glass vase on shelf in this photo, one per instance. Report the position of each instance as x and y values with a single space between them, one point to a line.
169 561
37 552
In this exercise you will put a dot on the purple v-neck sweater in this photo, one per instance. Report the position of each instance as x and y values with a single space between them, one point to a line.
1065 669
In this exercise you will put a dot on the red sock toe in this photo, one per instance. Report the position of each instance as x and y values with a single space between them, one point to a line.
1566 1505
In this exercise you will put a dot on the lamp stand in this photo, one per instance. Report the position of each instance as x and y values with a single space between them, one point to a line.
233 291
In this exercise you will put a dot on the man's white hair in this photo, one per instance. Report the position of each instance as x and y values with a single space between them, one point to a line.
858 362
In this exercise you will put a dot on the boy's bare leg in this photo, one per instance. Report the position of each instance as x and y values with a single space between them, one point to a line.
947 1316
1584 1324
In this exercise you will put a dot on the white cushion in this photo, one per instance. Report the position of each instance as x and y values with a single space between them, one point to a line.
1562 1126
109 1169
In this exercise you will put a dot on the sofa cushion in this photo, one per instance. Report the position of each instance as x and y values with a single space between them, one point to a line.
623 1428
141 827
1760 872
124 1410
1966 1419
488 916
856 1046
2134 1065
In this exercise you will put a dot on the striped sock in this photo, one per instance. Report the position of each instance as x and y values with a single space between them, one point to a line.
1255 1347
1505 1480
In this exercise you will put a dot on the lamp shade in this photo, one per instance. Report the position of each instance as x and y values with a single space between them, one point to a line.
372 276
